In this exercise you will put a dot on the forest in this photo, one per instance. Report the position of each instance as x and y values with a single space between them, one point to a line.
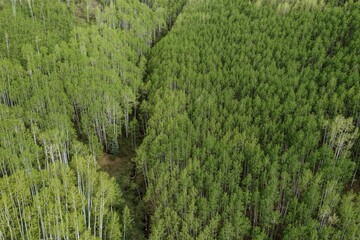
179 119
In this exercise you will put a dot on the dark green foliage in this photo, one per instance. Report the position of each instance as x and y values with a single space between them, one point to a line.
113 148
253 109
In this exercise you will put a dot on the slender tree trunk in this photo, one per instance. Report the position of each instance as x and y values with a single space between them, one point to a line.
126 123
13 6
30 8
7 44
354 175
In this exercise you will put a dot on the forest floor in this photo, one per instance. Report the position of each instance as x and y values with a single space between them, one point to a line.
355 187
121 165
115 166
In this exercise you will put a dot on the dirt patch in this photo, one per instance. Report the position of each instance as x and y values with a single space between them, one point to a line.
115 166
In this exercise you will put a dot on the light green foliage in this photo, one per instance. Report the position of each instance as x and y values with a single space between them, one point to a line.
50 22
70 78
54 202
